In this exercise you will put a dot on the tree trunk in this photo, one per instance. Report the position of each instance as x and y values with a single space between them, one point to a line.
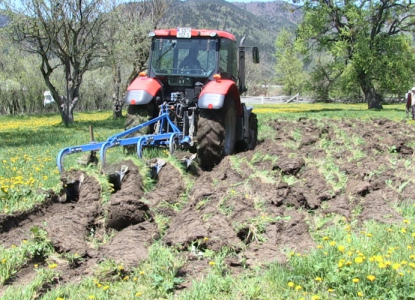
116 101
66 109
373 99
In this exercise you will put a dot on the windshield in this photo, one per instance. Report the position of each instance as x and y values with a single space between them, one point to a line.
192 57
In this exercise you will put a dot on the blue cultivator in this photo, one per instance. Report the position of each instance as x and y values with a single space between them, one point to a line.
167 134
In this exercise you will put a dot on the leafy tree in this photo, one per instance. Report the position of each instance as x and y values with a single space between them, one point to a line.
366 40
67 33
289 68
20 83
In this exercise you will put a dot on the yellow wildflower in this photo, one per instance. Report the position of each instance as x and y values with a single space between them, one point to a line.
396 266
315 297
370 278
52 266
355 280
212 263
138 294
360 294
319 279
298 288
291 284
106 287
358 260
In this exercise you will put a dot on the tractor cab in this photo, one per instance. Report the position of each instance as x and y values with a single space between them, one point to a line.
181 58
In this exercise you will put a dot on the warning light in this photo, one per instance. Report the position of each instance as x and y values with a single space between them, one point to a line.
210 106
132 102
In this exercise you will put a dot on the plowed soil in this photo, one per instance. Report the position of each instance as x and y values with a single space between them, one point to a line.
258 203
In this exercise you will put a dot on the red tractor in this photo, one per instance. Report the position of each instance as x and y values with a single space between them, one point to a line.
190 98
200 74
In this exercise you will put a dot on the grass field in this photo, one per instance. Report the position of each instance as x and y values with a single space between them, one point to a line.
352 260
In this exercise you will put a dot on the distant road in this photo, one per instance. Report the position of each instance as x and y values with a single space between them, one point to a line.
273 100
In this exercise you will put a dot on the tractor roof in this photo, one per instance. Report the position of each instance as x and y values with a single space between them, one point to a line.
194 33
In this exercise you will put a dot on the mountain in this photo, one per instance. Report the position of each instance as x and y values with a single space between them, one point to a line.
260 22
273 11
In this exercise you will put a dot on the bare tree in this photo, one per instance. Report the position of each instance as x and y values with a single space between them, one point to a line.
131 23
66 34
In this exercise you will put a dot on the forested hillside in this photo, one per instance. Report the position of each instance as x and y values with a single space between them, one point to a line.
259 22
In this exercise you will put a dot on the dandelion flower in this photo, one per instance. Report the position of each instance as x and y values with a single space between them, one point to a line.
332 243
52 266
341 248
330 290
212 263
319 246
406 221
315 297
358 260
355 280
326 238
370 278
396 266
291 284
319 279
138 294
360 294
298 288
142 273
106 287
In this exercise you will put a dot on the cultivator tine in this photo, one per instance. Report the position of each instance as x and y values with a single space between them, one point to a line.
72 150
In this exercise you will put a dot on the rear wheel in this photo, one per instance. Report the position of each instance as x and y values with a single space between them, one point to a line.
136 115
216 134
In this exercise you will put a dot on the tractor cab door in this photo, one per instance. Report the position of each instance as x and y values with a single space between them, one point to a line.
228 59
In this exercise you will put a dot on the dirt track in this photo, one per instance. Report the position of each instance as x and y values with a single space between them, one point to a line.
258 203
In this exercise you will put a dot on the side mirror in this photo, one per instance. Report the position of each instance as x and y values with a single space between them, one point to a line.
255 55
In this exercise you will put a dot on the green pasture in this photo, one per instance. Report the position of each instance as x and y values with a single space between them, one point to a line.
351 260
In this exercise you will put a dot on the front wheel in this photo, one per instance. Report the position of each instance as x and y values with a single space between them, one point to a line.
216 134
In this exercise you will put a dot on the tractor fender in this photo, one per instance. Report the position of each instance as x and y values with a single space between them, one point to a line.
141 91
215 92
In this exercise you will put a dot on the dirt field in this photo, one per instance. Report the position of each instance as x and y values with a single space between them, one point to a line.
258 203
